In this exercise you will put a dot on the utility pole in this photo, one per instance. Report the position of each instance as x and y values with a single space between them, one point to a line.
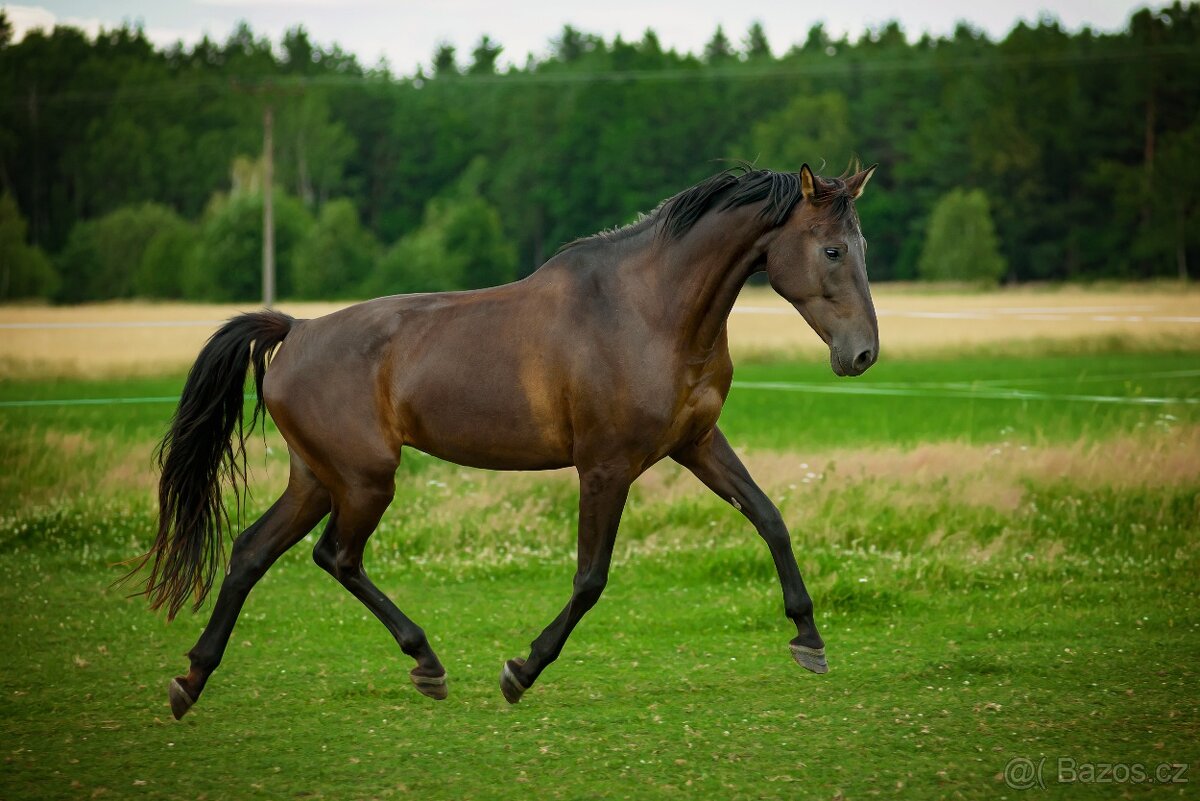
268 259
35 216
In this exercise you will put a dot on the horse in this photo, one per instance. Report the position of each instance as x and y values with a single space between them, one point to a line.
610 357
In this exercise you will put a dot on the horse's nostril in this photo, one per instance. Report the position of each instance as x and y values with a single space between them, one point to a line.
863 360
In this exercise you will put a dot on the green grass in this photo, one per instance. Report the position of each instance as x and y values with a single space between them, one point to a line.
943 408
961 634
784 419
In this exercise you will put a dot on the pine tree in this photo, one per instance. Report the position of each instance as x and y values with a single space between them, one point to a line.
444 64
485 55
718 49
757 46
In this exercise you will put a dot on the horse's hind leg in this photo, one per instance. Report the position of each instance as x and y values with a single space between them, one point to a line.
356 513
301 507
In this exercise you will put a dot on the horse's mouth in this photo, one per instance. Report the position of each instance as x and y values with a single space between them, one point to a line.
835 363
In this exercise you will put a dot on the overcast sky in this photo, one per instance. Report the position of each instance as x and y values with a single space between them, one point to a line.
407 32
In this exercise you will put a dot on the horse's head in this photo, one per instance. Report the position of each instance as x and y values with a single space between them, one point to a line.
817 260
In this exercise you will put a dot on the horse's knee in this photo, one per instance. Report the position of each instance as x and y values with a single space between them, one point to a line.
772 519
588 589
775 534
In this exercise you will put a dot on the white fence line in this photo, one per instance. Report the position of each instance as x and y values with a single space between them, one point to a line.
966 393
948 391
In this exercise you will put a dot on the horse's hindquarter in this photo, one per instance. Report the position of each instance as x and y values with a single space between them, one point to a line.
325 392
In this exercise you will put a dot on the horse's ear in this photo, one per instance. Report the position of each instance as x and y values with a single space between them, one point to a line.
808 182
857 183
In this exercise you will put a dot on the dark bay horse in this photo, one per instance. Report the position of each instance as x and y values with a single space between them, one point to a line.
610 357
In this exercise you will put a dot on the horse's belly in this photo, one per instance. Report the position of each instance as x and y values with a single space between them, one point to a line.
495 455
487 433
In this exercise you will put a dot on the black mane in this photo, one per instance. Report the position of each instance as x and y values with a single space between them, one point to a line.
744 185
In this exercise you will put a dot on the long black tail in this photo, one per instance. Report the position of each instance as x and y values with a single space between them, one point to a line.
200 452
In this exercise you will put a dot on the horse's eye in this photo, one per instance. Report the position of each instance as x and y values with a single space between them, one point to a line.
833 254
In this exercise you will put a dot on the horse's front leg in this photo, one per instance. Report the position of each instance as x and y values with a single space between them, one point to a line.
713 461
602 493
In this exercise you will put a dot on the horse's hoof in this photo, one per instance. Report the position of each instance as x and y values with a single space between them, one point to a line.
512 688
810 658
181 702
433 686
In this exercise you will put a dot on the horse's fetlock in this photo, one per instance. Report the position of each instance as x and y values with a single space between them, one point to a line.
415 643
801 609
202 664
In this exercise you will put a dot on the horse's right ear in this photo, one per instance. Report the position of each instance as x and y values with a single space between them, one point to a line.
808 182
856 183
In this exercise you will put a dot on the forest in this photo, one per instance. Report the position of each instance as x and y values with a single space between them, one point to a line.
130 170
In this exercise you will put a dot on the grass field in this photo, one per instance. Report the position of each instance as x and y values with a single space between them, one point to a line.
1003 548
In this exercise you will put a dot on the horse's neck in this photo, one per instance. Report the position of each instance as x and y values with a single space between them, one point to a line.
698 277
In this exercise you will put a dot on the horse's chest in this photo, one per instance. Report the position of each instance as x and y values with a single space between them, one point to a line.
702 407
698 405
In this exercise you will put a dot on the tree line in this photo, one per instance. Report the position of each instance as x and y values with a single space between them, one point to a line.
128 170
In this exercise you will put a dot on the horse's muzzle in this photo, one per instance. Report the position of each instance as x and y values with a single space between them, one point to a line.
843 365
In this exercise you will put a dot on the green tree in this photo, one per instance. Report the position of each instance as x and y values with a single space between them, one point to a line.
459 245
25 272
92 123
336 256
484 56
570 45
312 150
444 64
813 129
817 41
102 257
960 242
228 263
1163 210
1178 197
168 257
719 49
757 46
417 262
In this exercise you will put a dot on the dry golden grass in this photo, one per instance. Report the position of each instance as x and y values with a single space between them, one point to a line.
170 342
915 321
995 475
763 324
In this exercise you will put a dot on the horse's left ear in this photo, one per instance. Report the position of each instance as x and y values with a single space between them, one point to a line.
857 183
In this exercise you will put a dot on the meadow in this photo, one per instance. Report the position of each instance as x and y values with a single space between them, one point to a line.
1000 533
